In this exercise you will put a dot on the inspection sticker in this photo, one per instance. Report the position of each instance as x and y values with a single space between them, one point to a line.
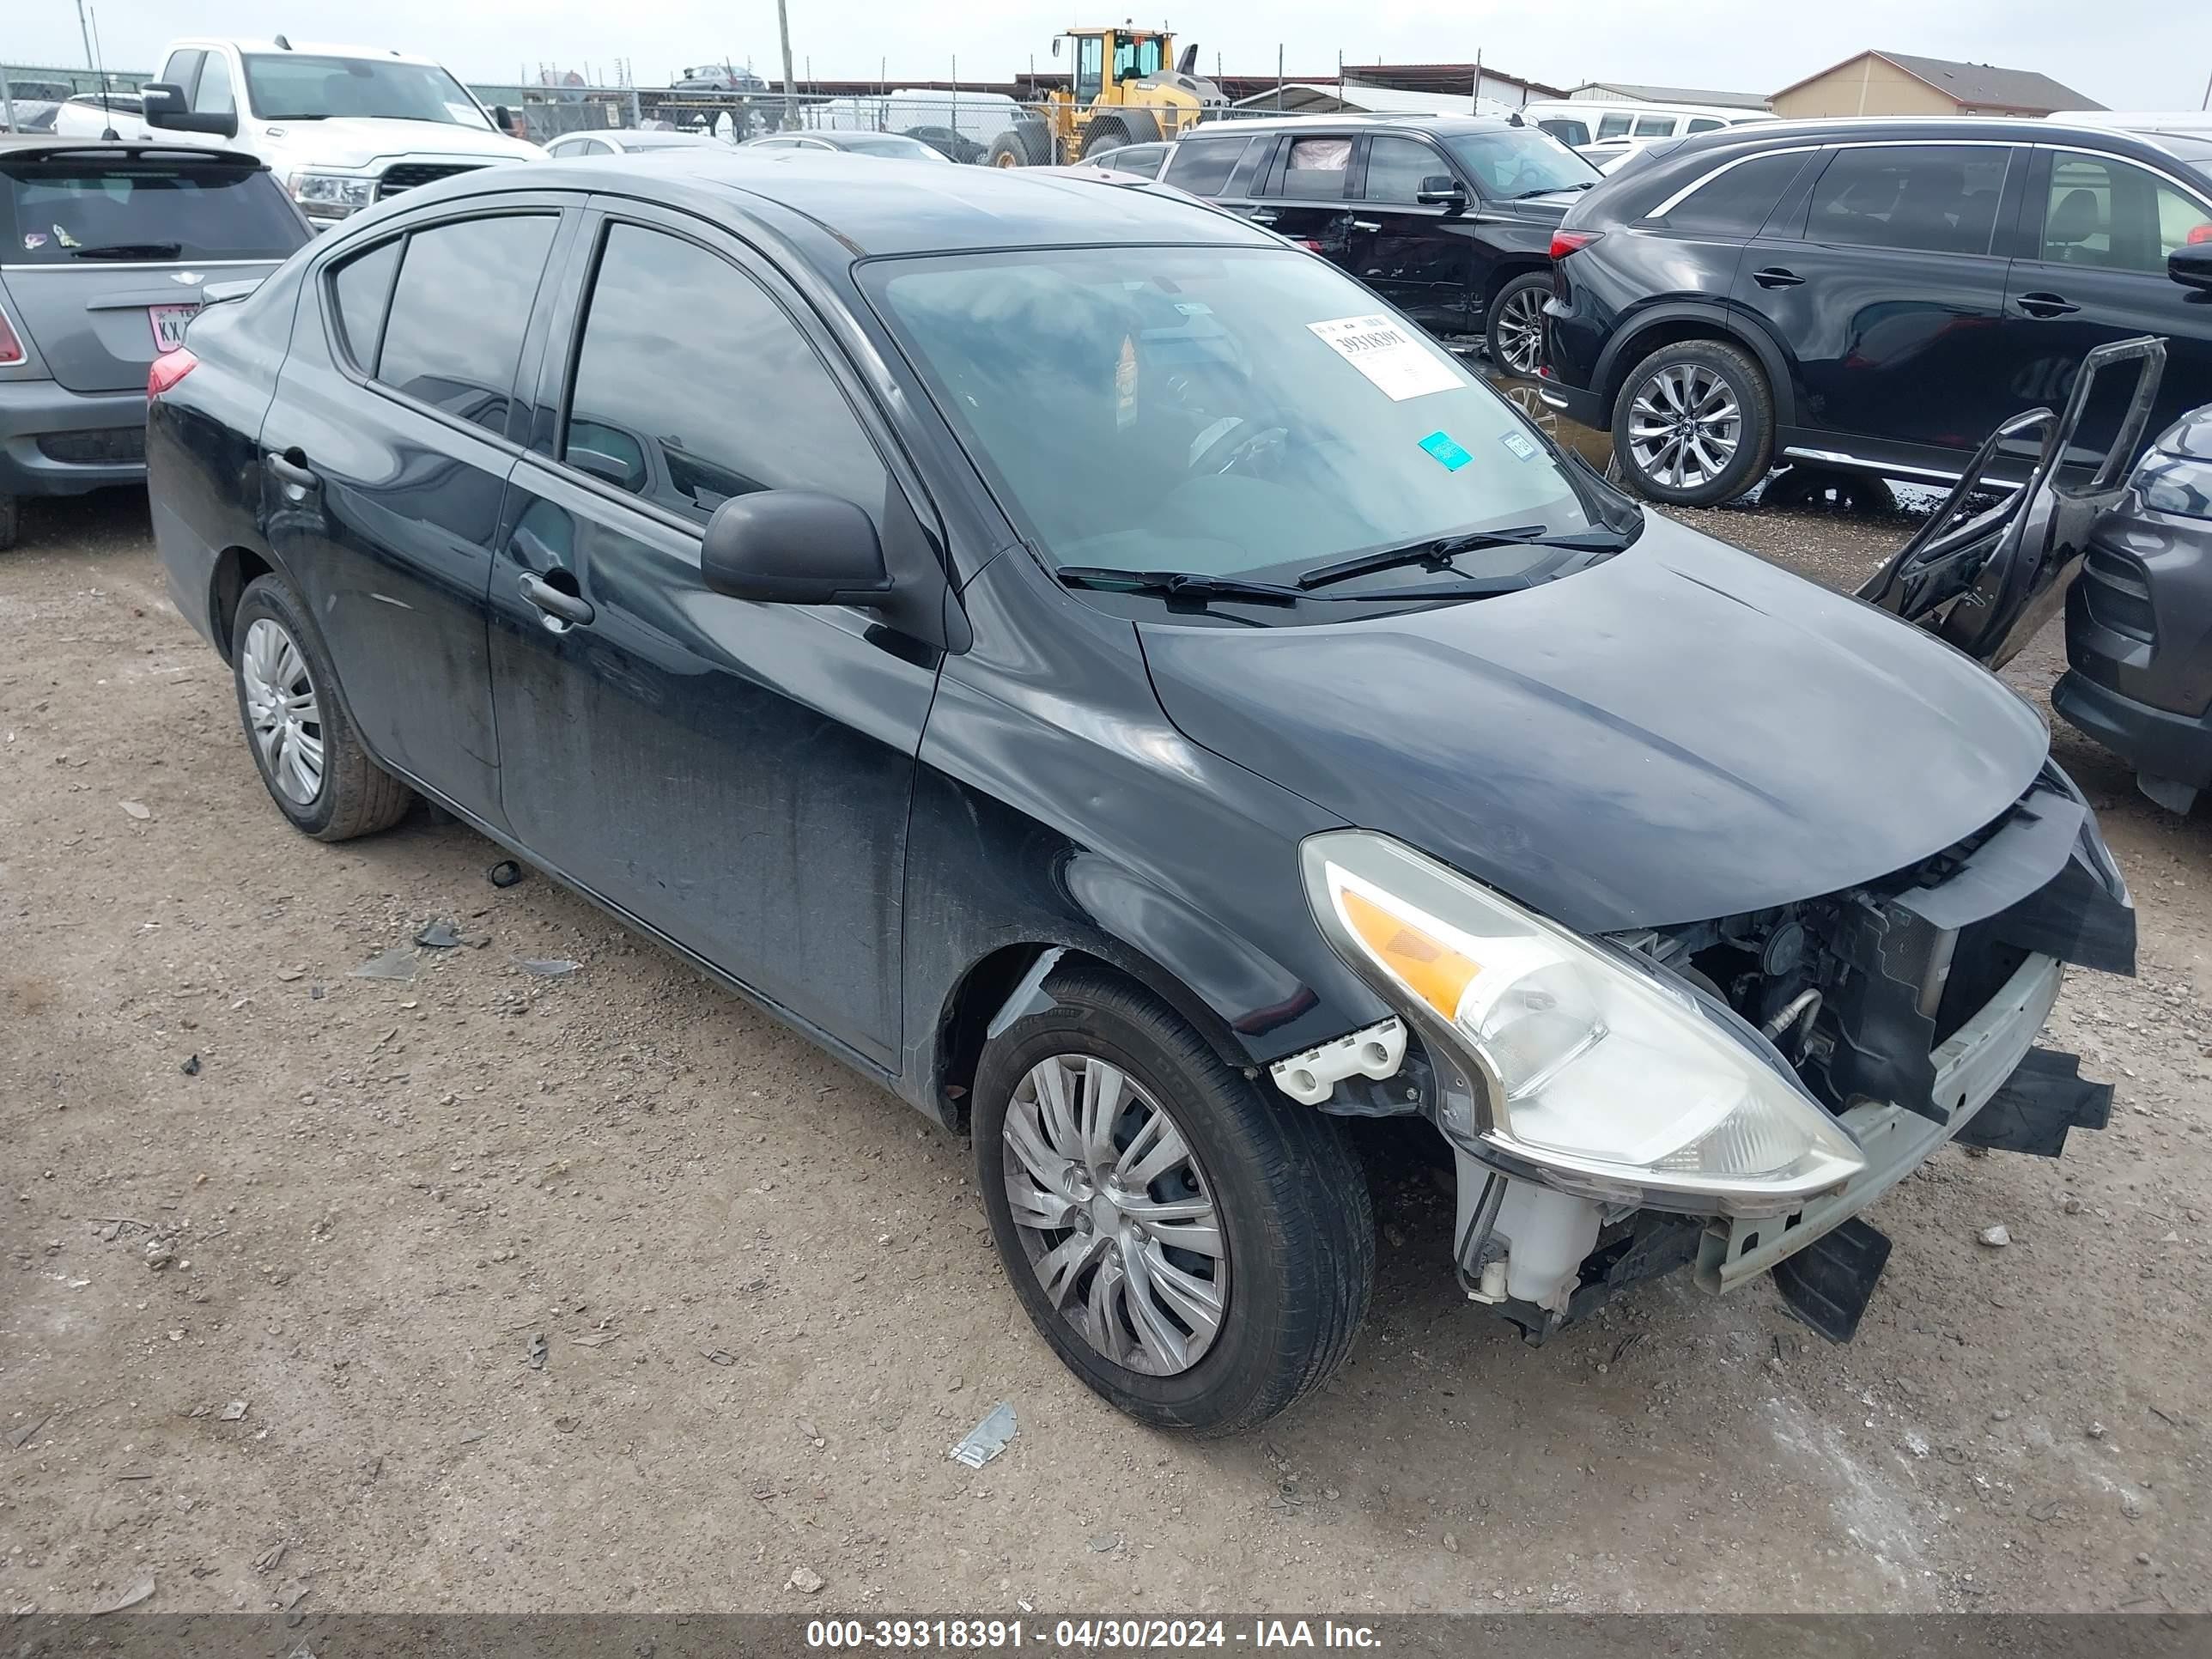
1519 445
1440 445
1380 347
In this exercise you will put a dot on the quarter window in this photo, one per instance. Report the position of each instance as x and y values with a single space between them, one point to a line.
1398 168
458 313
1737 203
1202 166
2103 212
1317 168
1704 124
359 291
1930 198
757 409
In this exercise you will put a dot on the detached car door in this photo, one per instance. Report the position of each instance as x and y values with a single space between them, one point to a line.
1420 257
734 776
384 461
2098 231
1884 283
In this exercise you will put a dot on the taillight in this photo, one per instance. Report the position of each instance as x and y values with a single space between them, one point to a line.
11 349
171 367
1564 242
2200 234
1308 244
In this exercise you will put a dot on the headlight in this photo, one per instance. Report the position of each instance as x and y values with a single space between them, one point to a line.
2170 483
331 195
1592 1069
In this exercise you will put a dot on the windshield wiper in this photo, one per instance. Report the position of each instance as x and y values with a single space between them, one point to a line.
128 250
1439 553
1175 584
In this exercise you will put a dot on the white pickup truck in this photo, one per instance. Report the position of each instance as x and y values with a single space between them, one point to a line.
342 127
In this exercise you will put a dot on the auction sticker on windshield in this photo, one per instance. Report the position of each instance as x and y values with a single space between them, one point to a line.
1380 347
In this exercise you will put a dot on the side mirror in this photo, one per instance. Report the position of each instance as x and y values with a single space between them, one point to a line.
503 119
1440 190
2190 265
794 547
1056 45
162 104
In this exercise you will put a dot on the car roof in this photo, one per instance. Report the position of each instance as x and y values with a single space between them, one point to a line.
868 207
304 48
1907 129
18 146
1322 123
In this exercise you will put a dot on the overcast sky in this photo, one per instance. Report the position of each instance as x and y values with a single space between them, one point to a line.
2128 54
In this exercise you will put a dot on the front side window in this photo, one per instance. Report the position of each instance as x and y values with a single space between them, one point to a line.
1927 198
1574 134
2105 212
1135 60
295 85
1514 163
215 96
458 312
758 408
1399 169
1245 407
180 70
1090 67
1317 168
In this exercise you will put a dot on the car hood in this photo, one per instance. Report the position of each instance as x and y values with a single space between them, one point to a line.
1681 733
359 142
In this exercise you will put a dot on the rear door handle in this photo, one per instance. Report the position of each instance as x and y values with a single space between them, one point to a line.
2047 305
1262 216
1366 224
1775 276
291 467
565 609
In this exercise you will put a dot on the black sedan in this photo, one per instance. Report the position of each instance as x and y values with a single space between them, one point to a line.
1089 666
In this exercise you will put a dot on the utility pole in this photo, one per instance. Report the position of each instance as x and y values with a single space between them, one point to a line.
1279 77
2207 104
790 92
84 30
7 103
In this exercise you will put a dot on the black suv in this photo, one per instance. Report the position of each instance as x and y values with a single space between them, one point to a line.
1448 217
1872 295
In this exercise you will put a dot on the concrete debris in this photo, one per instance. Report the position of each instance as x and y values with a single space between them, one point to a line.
1995 1237
987 1439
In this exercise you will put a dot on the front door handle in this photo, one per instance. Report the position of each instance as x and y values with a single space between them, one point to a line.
1263 216
2047 305
1775 276
291 467
565 610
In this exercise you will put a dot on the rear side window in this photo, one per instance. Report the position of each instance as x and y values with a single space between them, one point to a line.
1612 126
1735 203
1202 166
73 211
1928 198
1654 126
458 312
359 291
1317 168
1704 123
735 401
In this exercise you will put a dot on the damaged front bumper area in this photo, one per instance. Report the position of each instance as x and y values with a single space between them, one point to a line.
1908 1008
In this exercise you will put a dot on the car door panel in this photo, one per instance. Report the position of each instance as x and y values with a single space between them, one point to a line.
735 775
385 504
1308 203
1420 256
2093 271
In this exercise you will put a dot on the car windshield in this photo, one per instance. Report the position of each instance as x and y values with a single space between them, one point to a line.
888 143
295 85
1517 162
72 210
1215 410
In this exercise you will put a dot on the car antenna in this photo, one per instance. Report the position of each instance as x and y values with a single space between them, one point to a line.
282 45
107 131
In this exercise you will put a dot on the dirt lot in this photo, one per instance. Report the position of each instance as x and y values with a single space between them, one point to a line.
768 1303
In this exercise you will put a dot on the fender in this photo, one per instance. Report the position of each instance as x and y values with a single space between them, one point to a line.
1719 318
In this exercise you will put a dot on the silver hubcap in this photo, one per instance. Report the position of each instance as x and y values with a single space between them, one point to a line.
1115 1215
281 707
1521 331
1684 426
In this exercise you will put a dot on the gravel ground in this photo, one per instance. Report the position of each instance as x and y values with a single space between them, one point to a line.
488 1290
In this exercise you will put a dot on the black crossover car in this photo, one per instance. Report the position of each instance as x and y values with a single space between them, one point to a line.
1874 297
1448 217
1352 752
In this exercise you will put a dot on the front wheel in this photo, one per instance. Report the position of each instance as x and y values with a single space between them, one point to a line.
1200 1255
309 757
1514 332
1693 425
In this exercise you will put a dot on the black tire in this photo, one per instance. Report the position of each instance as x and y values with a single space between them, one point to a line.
11 520
1104 132
356 797
1506 313
1130 126
1292 1200
1754 400
1027 143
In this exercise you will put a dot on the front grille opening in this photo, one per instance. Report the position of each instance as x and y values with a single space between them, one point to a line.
408 175
2117 591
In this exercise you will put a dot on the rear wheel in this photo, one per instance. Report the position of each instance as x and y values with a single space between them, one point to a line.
1025 144
310 758
11 517
1693 425
1200 1255
1514 332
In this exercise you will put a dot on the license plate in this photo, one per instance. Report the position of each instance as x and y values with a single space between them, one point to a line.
168 323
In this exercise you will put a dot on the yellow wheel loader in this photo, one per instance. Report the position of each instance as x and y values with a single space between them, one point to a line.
1123 92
